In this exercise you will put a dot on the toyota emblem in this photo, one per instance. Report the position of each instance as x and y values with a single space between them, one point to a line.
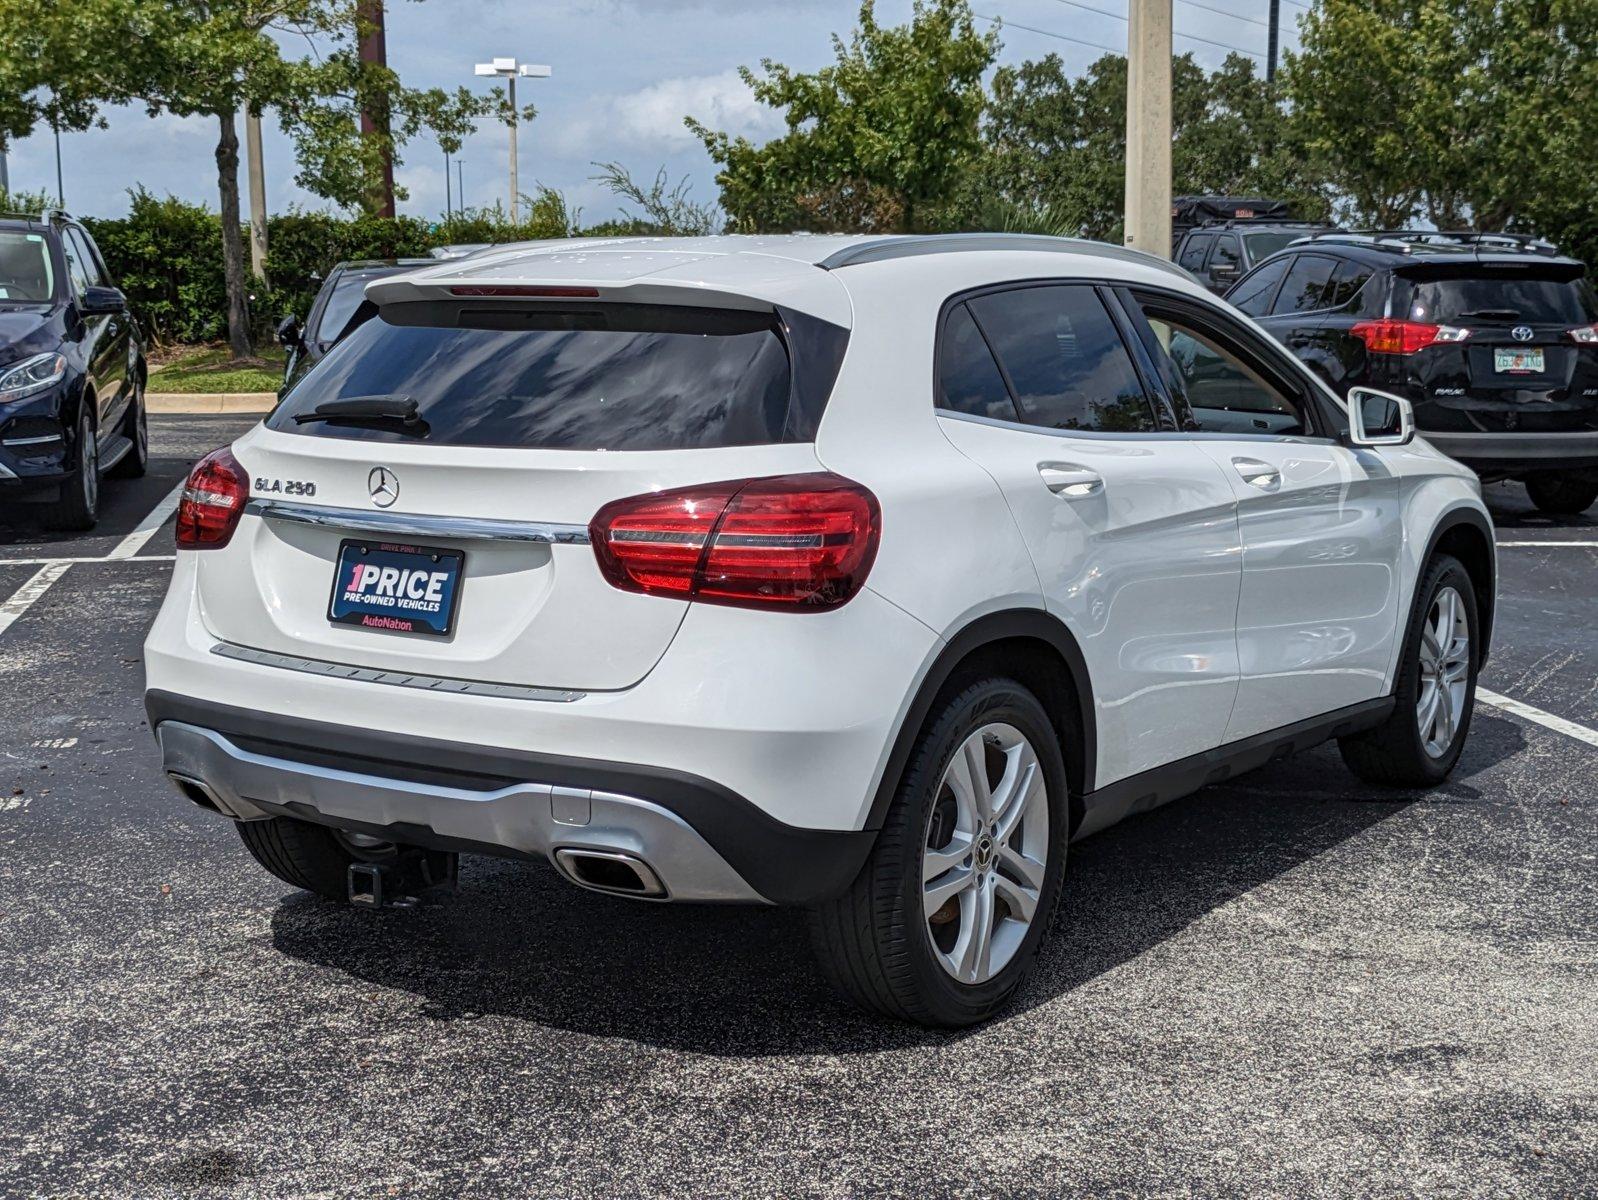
383 485
1522 333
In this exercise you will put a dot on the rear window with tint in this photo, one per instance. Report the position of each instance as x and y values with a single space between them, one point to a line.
1535 301
602 377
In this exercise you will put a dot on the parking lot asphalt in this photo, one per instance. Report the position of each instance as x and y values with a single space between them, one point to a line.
1291 984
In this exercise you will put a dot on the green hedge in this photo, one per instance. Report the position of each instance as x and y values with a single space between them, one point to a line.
167 256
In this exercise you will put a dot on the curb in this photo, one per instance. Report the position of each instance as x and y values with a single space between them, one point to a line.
210 402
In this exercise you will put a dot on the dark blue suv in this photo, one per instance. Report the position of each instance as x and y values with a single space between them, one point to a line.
72 372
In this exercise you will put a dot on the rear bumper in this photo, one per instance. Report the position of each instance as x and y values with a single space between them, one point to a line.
1518 451
702 841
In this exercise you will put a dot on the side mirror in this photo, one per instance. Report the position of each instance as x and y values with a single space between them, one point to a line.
1379 418
289 335
102 301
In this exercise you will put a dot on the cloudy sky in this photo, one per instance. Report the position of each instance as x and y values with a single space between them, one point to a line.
625 74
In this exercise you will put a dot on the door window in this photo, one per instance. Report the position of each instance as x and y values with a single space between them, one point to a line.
1306 285
1193 253
91 257
1227 262
1064 359
968 378
1224 391
1254 294
79 265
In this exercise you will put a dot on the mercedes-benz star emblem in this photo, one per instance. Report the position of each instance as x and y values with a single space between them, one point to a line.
1522 333
383 484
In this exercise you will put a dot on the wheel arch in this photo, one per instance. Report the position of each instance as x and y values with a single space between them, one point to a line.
1467 535
1039 651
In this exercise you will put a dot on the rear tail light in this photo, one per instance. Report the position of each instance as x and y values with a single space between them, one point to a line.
796 542
1587 335
212 502
1405 337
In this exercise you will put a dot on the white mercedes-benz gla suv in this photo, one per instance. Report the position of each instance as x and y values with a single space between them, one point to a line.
858 573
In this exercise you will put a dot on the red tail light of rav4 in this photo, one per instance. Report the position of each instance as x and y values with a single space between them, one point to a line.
802 543
1389 336
212 502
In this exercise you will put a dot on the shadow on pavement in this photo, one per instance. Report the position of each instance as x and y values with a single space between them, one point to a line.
519 942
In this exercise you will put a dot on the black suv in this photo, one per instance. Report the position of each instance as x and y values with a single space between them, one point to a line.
72 371
1492 337
1220 254
339 307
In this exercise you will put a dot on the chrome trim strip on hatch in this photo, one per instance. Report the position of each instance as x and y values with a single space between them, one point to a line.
425 683
549 533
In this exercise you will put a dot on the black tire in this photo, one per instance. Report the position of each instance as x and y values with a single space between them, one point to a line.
874 942
77 508
1394 754
308 856
1562 495
136 428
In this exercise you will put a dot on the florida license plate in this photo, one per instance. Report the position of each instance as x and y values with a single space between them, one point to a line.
1510 360
392 587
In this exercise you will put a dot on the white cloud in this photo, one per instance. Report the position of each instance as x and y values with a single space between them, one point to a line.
651 118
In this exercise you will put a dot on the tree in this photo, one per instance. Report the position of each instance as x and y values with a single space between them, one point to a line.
664 209
1469 111
1056 144
876 141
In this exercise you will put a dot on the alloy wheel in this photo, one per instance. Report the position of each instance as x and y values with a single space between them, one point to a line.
1444 672
986 853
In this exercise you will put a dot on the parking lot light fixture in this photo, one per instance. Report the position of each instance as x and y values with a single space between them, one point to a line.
510 71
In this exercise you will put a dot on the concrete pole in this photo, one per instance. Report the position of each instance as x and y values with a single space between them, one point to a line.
257 171
1148 127
514 191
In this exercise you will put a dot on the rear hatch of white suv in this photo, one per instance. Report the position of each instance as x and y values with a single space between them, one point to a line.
420 503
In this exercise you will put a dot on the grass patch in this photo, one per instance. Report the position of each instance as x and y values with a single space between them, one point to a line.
201 369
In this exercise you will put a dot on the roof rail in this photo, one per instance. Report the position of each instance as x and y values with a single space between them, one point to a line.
1410 240
1256 222
918 245
45 217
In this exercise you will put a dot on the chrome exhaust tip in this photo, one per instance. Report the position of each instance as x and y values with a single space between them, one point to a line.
610 871
196 790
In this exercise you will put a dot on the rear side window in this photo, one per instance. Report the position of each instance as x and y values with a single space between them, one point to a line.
1306 285
602 377
1254 294
1064 358
1534 301
1346 283
968 379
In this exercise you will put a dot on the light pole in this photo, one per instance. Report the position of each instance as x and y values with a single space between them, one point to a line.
510 70
1148 127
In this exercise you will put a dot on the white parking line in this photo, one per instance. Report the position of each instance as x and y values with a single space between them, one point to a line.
1589 545
28 594
145 529
1546 719
45 562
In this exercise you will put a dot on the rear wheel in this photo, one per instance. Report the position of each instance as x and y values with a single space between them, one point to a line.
946 916
1563 495
1418 745
77 509
312 857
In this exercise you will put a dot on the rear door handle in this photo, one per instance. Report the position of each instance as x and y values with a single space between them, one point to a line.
1070 481
1260 474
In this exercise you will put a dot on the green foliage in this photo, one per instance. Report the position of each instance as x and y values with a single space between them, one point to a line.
1466 111
666 208
26 203
875 141
167 255
1057 144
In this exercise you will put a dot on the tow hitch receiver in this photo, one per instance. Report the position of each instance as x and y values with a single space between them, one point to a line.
396 884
